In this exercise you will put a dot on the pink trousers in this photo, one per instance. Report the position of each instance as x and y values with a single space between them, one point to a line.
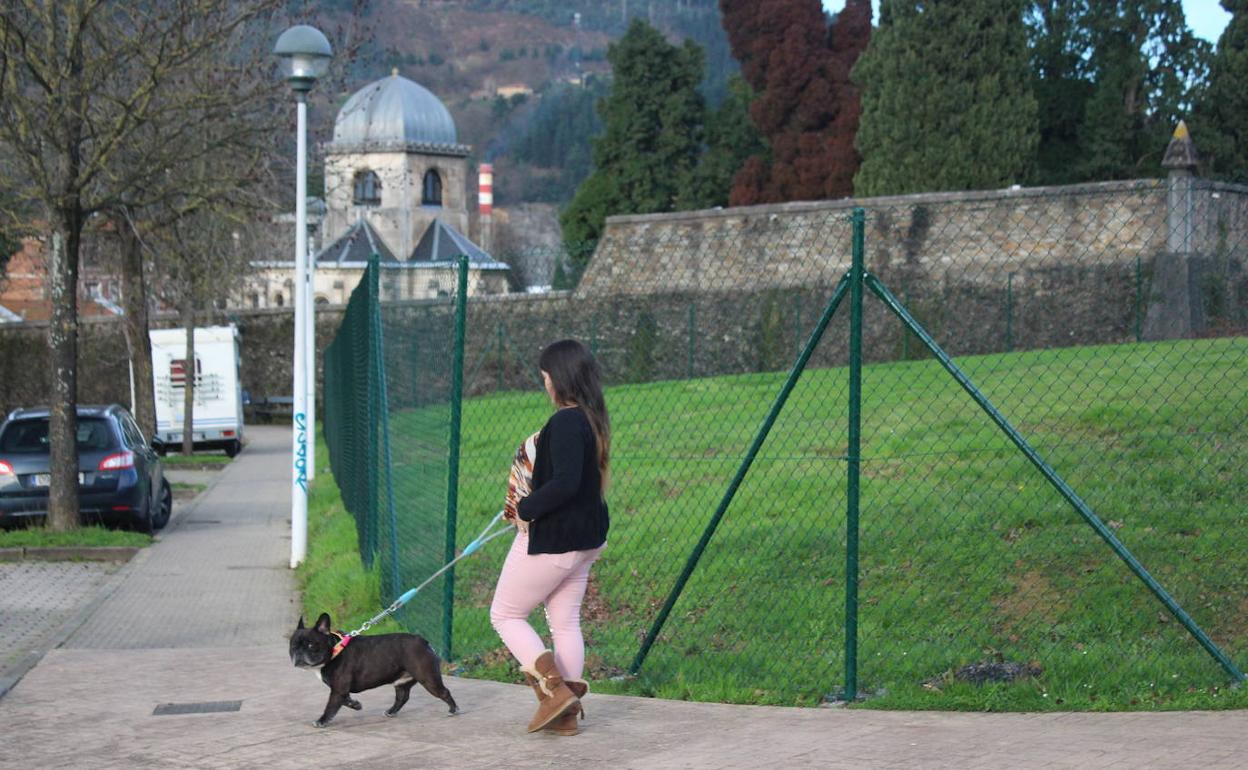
557 580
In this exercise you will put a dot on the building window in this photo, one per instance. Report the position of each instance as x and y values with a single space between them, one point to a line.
367 188
255 300
278 300
432 195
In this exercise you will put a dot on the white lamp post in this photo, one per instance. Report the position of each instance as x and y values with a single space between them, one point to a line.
304 54
309 338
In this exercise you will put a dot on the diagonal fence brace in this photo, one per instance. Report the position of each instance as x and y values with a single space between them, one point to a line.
842 289
887 297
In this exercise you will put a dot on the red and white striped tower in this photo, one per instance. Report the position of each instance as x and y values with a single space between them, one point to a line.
485 205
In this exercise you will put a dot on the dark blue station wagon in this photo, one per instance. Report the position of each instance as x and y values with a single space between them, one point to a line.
120 477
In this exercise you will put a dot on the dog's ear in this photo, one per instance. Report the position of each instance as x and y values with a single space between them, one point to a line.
322 623
301 625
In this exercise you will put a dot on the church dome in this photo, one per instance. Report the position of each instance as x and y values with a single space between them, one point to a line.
396 111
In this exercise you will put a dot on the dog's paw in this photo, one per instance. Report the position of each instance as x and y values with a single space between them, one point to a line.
321 723
353 704
392 713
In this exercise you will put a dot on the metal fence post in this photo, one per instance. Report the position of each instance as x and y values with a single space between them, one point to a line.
1139 282
452 489
693 328
797 320
383 406
1009 312
502 361
371 475
853 458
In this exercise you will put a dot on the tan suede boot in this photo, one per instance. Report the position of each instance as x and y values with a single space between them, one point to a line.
559 699
566 724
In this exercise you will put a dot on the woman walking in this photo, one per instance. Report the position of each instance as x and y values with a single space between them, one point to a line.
561 517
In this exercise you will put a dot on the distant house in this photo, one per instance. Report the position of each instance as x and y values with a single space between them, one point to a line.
513 89
25 293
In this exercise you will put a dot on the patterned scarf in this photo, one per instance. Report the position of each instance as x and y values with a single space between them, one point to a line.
520 481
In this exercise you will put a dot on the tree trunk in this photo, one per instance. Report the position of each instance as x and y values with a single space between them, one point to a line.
188 404
63 345
138 343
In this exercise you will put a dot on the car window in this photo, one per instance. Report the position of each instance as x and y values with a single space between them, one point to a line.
31 436
134 436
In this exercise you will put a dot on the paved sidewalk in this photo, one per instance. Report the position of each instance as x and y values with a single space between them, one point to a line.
174 632
40 602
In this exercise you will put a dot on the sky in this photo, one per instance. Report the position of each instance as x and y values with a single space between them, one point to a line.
1206 17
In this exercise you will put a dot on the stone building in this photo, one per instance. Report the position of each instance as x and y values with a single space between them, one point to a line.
396 184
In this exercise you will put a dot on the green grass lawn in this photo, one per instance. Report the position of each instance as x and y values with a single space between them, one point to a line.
966 554
91 537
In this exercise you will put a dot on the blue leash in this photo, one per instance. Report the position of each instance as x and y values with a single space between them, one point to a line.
483 538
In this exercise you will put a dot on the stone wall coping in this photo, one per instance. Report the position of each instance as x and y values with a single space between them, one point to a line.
1214 186
801 207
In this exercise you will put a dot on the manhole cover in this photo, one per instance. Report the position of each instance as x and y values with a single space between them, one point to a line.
207 707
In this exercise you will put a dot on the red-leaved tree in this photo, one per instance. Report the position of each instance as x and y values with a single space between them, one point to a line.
805 106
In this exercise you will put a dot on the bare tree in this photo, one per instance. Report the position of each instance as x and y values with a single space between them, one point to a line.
79 82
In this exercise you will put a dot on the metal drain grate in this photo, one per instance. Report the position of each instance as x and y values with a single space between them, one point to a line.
207 707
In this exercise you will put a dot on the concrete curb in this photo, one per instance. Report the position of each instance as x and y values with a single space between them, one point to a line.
71 553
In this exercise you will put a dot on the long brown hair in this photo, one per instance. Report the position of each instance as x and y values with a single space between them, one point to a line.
576 379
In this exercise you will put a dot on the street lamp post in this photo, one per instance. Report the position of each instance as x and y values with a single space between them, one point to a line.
309 338
304 54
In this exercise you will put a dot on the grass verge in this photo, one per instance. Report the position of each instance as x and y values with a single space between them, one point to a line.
332 578
88 537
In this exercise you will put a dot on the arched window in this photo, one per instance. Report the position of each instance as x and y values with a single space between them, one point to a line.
278 300
367 188
432 195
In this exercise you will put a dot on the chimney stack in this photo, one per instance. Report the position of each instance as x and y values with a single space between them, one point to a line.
485 205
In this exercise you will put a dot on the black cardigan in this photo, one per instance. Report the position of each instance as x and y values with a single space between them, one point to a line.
565 510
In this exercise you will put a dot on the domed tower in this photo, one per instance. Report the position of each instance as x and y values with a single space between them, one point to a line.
395 162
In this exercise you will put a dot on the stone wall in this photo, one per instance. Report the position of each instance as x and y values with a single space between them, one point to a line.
794 243
718 292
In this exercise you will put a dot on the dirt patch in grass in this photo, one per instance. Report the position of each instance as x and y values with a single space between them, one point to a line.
1034 601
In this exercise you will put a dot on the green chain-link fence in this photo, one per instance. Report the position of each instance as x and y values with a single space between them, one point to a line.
1105 324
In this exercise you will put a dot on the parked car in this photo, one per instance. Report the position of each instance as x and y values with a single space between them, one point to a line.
120 477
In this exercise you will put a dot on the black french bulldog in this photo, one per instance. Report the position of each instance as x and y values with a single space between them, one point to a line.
367 662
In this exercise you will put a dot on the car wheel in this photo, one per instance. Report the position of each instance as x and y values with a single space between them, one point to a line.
233 448
165 507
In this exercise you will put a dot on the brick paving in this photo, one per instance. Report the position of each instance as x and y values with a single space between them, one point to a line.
173 631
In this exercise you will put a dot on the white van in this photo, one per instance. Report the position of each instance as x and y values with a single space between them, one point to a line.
218 390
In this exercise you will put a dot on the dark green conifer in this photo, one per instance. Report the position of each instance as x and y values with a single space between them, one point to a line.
947 98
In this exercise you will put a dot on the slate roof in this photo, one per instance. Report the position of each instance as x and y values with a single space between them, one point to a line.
443 243
357 244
